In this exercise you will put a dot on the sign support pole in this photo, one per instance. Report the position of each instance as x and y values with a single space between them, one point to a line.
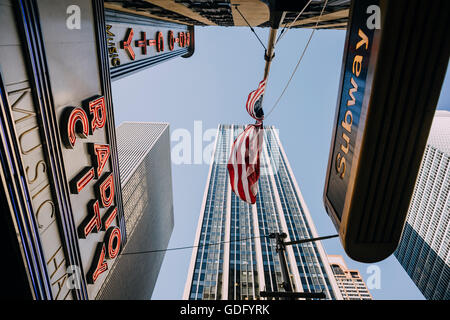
281 247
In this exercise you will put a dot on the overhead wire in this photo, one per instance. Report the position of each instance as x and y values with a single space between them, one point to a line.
276 103
285 30
251 28
300 241
191 247
299 61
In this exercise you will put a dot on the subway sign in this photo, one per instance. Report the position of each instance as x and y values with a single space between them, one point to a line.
354 94
392 73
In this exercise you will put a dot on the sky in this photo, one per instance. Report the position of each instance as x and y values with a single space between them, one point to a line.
212 87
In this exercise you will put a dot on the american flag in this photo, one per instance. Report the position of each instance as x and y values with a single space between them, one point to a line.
254 102
243 164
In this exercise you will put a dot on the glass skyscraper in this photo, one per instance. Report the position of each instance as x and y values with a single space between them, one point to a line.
424 249
245 262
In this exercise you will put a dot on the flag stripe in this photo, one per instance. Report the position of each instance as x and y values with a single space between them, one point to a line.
239 161
255 94
244 185
253 97
243 163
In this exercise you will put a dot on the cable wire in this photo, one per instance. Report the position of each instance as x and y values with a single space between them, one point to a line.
251 28
191 247
299 61
300 241
284 30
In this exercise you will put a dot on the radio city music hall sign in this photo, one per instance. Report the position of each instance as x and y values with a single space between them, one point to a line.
132 42
81 122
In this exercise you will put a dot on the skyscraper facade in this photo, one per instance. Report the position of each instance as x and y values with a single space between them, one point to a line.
350 282
146 179
424 249
244 261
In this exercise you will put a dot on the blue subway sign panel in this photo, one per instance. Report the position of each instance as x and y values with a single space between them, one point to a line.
392 73
352 104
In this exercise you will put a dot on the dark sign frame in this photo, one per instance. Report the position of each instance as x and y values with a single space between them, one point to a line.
407 66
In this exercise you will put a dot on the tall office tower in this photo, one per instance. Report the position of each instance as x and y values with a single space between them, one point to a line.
224 12
246 262
146 179
424 249
350 282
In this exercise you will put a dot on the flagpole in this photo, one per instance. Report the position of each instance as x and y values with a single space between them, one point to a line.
276 18
270 49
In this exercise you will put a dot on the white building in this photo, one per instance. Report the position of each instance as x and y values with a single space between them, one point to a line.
145 172
424 249
350 282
